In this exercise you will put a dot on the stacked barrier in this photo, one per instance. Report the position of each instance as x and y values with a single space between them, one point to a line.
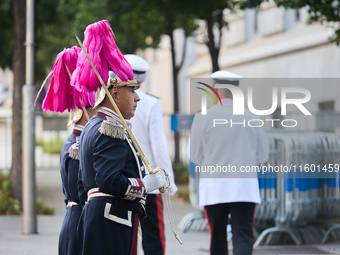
298 202
306 195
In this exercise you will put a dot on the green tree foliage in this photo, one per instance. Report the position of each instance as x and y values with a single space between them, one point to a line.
8 205
11 206
213 13
133 21
7 33
324 11
47 34
136 24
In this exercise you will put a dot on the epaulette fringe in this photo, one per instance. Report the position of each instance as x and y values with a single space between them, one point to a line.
109 129
73 151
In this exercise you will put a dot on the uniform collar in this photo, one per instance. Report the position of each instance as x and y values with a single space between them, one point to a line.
109 113
77 129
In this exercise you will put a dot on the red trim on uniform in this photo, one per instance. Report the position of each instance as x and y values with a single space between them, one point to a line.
93 192
102 114
209 226
135 191
133 250
160 221
75 131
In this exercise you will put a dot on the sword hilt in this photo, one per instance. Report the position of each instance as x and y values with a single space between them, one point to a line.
167 179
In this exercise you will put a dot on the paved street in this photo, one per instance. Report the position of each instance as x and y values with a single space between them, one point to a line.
13 242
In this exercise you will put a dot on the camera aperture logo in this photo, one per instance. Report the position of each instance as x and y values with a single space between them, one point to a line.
239 102
204 98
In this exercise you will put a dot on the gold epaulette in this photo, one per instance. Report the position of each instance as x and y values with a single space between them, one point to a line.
73 151
110 129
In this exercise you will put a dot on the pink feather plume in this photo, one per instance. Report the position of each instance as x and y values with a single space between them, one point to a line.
100 45
61 95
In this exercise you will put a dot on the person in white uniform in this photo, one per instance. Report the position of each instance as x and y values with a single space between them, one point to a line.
147 127
230 147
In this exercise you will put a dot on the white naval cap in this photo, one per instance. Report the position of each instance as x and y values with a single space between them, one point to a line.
139 66
137 63
226 77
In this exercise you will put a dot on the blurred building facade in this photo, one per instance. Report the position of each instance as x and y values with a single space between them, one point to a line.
270 42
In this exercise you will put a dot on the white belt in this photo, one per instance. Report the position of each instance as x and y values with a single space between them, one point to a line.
96 193
71 203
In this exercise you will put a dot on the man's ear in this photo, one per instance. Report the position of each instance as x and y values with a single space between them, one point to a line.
114 94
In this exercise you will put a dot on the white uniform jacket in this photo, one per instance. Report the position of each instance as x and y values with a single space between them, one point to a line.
235 145
147 127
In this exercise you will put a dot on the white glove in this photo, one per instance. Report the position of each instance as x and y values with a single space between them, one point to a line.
154 181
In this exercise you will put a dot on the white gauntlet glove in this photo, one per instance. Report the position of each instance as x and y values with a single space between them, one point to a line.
154 181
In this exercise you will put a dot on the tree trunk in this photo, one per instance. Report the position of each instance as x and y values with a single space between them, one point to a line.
211 44
175 70
19 7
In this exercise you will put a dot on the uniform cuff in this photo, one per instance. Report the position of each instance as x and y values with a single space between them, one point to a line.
135 191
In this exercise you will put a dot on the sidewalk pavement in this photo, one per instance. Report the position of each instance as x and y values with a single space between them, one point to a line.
13 242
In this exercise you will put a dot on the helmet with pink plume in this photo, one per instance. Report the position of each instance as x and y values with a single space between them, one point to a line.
61 95
100 45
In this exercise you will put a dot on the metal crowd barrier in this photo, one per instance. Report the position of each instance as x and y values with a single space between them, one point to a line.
194 221
300 198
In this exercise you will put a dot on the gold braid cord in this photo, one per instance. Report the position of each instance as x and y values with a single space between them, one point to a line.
117 83
167 201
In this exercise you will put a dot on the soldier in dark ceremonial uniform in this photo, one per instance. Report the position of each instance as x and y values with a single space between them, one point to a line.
69 168
113 177
147 127
61 96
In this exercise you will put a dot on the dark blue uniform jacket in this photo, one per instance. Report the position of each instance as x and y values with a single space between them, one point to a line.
69 169
112 165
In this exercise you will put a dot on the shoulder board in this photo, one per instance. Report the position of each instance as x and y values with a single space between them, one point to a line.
113 130
152 95
73 151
